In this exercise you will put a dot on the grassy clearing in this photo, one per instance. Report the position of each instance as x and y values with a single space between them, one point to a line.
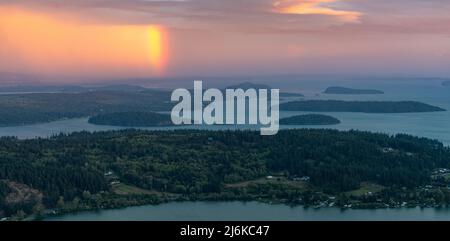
274 180
365 189
446 176
124 189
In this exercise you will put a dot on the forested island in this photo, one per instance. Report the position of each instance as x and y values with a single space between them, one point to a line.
25 109
76 101
152 119
85 171
132 119
359 106
350 91
310 119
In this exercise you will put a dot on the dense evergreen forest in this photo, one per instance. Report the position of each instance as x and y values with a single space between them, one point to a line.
309 119
359 106
130 167
132 119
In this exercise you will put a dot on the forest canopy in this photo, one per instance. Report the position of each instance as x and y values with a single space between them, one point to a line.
197 163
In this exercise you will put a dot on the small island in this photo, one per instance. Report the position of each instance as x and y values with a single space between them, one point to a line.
132 119
359 106
336 90
310 119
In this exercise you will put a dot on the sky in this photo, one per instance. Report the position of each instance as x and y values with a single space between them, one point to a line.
150 38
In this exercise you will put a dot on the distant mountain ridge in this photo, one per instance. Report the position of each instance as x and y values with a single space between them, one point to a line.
7 78
42 89
119 87
351 91
249 85
69 88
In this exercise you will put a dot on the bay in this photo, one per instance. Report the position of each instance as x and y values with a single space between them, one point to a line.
252 211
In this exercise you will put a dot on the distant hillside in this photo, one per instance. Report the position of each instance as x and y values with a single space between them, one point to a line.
249 85
132 119
43 89
68 88
24 109
310 119
123 87
359 106
7 78
350 91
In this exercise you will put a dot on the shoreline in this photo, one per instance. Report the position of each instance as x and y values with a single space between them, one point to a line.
201 202
50 213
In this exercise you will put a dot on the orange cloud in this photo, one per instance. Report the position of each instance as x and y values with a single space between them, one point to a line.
53 44
314 7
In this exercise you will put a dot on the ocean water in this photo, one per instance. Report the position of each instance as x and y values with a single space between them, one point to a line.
434 125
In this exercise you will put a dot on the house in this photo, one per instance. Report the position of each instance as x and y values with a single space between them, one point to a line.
305 179
388 150
109 173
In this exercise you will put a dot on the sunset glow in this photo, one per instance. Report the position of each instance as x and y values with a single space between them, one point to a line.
43 43
314 7
143 39
158 47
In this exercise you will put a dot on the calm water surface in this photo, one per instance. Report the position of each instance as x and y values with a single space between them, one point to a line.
252 211
435 125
